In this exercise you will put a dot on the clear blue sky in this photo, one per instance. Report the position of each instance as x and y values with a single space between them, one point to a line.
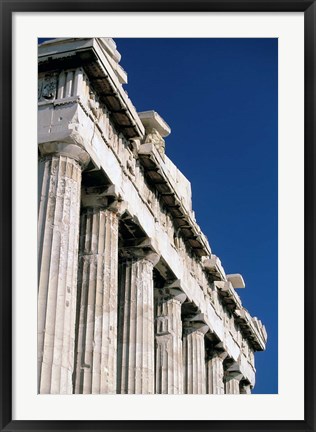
220 98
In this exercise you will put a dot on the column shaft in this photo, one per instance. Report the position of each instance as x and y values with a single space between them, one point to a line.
169 364
97 301
136 327
232 386
215 375
58 234
194 360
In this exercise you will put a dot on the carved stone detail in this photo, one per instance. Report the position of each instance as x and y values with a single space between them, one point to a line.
47 87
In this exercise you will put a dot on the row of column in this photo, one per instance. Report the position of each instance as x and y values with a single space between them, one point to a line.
100 327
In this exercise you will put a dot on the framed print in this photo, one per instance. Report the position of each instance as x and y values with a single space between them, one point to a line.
157 259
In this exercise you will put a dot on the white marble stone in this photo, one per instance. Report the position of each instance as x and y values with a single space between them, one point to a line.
169 363
194 357
236 280
232 386
58 234
97 297
86 120
136 349
232 377
215 373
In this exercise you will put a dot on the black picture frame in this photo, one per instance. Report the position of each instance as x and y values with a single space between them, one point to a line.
7 10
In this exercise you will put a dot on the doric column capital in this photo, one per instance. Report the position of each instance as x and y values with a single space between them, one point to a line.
233 372
150 256
212 352
140 249
141 254
103 197
67 149
230 376
171 291
190 326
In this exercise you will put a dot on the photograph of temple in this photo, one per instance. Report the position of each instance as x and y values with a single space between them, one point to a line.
131 297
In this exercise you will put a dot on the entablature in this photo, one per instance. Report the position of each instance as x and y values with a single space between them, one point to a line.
90 54
183 220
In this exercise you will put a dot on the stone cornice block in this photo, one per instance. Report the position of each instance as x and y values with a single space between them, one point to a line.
236 280
152 120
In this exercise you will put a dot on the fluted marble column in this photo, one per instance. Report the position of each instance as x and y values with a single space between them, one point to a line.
58 235
194 357
232 386
169 363
215 372
97 300
136 369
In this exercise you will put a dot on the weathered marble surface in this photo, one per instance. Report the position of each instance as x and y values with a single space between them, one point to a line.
215 373
194 357
58 234
136 347
91 137
169 360
97 302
